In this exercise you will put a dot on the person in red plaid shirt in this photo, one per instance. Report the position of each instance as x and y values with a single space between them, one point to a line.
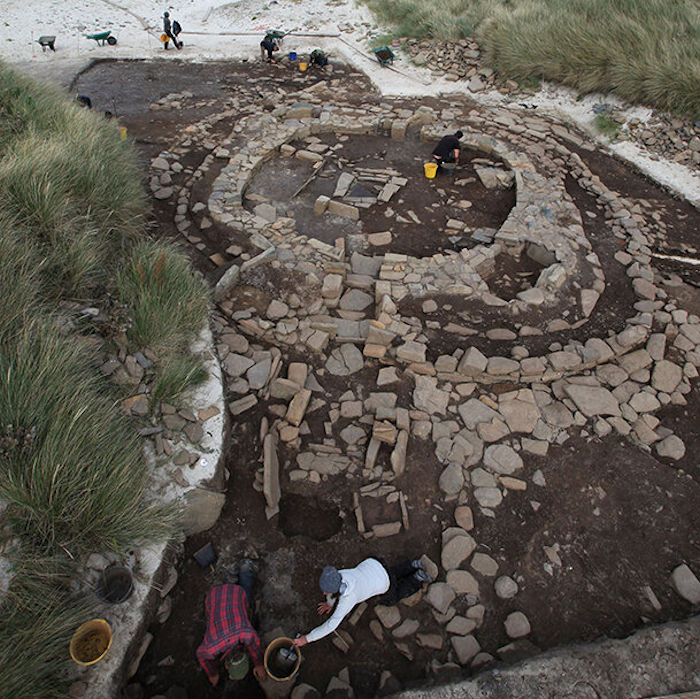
229 626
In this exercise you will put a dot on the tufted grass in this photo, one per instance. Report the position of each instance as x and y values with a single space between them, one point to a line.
645 51
607 126
167 303
71 466
37 619
76 197
72 470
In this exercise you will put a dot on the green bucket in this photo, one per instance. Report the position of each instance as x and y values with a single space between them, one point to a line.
237 664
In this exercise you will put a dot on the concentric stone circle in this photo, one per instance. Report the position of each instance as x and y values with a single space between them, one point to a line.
486 415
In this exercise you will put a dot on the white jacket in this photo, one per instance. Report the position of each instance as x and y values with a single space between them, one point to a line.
366 580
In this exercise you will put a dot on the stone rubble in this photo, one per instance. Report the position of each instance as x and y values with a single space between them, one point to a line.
347 321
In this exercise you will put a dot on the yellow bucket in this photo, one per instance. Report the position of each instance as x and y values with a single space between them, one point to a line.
122 132
90 642
430 170
303 66
274 671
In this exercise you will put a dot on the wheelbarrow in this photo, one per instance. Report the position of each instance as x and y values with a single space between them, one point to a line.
277 36
384 55
102 38
46 42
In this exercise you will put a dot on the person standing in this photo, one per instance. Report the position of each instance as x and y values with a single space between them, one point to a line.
347 588
447 151
230 634
168 31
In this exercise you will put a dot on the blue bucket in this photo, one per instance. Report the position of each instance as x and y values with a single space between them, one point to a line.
292 56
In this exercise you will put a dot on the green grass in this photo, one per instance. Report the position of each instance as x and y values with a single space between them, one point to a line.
77 195
167 304
177 376
19 281
646 51
72 470
440 19
37 619
607 125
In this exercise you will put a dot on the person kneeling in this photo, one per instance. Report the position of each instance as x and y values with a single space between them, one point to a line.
230 634
348 587
446 153
318 58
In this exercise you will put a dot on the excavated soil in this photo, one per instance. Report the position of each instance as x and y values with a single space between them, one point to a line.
613 518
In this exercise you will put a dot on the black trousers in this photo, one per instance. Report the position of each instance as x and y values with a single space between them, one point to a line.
402 582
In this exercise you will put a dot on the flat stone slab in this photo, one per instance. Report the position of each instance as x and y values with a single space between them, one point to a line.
457 550
502 459
517 625
593 400
686 584
440 596
466 647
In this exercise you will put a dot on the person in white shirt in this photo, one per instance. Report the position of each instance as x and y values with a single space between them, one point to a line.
351 586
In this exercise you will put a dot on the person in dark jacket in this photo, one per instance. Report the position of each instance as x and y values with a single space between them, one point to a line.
318 58
168 31
447 151
268 44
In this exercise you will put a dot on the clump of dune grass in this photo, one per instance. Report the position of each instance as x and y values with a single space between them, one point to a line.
72 469
176 376
167 303
77 195
19 281
646 51
607 125
71 466
643 50
441 19
27 105
166 306
38 616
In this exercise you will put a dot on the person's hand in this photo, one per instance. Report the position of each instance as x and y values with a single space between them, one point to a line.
259 672
324 608
300 642
214 679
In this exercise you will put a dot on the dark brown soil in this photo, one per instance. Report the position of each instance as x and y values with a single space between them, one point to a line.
621 518
432 202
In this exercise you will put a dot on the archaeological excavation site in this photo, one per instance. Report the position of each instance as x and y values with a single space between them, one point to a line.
492 370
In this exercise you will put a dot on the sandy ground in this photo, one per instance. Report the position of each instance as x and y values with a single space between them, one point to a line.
216 30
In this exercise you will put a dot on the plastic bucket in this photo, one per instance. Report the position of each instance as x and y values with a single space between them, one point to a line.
303 65
90 642
115 585
292 56
430 170
237 665
275 668
122 132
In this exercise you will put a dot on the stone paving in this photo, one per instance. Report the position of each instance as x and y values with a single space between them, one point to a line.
346 318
